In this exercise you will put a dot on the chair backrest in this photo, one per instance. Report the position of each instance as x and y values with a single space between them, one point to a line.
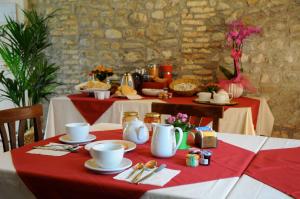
199 111
9 117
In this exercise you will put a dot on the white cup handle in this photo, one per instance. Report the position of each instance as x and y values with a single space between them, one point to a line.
180 137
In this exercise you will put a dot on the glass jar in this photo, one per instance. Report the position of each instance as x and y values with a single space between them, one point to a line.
153 70
129 116
151 118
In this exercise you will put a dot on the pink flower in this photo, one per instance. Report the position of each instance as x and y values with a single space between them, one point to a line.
179 116
234 33
171 119
184 119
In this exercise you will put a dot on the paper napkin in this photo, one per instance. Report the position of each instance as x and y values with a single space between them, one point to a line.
158 179
50 152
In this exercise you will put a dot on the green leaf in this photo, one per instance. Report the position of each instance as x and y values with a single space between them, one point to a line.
228 74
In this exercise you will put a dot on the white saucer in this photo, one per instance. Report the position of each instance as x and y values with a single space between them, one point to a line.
128 146
91 165
66 139
199 100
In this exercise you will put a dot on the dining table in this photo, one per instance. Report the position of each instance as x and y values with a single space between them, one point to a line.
242 166
251 115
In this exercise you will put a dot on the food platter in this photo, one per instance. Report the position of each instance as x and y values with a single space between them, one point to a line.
91 86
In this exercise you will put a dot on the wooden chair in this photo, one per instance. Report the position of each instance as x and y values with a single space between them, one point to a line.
199 111
9 117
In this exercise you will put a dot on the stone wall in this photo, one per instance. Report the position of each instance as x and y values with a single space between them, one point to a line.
189 34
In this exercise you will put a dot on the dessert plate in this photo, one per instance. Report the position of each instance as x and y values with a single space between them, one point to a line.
66 139
128 146
91 165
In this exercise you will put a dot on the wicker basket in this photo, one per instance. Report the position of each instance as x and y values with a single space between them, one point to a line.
185 93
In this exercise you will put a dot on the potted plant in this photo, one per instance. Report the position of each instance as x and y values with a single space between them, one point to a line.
236 35
182 121
29 77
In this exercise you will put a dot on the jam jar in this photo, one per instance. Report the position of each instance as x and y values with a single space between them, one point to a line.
151 118
129 116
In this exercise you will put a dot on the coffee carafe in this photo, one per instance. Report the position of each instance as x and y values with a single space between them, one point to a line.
127 80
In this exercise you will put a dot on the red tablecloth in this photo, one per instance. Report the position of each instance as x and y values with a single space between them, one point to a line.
66 177
91 109
278 168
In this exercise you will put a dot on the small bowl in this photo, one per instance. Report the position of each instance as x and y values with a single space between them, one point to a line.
151 91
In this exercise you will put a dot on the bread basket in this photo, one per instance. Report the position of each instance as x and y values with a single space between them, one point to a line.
186 93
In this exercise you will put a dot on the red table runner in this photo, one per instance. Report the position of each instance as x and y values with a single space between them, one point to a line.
91 109
66 177
278 168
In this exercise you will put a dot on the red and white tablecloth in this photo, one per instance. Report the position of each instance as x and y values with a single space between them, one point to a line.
273 173
251 117
238 148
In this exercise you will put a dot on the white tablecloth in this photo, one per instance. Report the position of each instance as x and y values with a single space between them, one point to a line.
236 120
12 187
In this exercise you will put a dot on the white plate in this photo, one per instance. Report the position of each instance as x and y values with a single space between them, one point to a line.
129 146
151 92
66 139
91 165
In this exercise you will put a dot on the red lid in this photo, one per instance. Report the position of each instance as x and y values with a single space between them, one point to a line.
166 68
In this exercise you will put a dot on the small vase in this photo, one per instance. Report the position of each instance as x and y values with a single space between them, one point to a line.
236 90
183 145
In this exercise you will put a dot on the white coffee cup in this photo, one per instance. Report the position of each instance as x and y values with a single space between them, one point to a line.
107 155
204 96
78 131
106 94
99 95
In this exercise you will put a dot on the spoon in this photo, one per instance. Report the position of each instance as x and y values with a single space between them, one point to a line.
149 165
158 169
136 167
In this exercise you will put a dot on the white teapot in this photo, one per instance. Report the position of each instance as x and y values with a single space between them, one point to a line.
136 131
222 97
163 143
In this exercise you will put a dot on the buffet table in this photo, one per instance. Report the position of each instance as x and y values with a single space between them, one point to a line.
238 119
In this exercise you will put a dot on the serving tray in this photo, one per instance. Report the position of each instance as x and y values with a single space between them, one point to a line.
231 103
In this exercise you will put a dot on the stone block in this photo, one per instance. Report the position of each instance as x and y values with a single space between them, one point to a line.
138 19
168 42
192 22
113 34
160 4
195 3
131 57
201 10
158 14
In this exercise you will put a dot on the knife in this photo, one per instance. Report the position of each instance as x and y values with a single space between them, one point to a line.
161 167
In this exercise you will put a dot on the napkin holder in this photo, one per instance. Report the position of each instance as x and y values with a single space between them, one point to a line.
205 137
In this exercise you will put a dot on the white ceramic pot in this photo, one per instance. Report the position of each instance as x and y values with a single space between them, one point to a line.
163 144
236 90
